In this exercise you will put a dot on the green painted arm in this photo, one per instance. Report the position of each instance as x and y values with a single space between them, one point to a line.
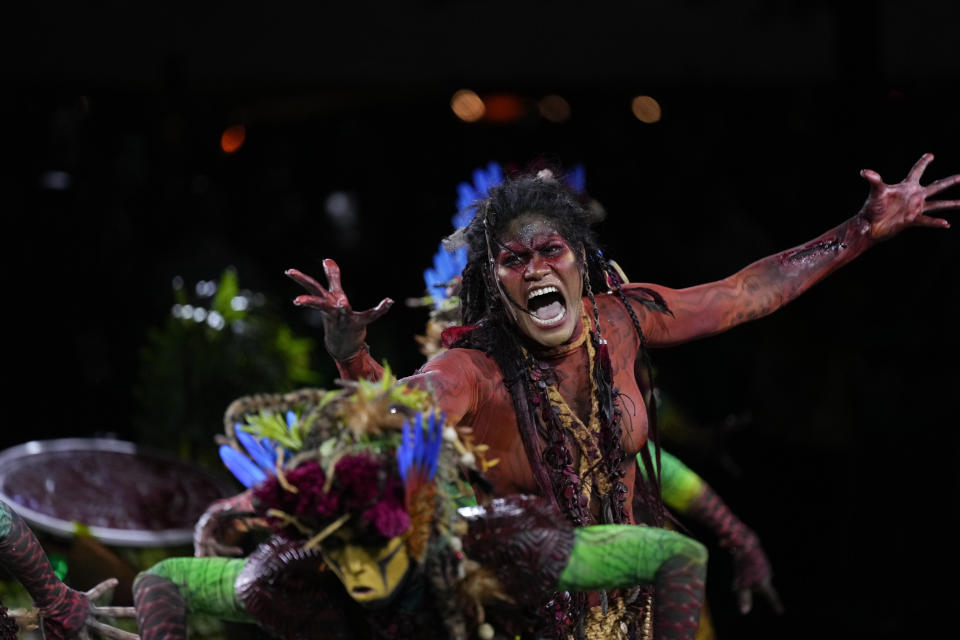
206 584
679 484
615 555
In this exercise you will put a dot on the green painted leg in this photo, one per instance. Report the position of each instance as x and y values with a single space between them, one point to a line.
614 556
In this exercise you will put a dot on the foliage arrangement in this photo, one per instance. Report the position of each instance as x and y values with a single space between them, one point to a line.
218 343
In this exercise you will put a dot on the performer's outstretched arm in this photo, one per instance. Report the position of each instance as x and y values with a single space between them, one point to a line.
619 556
770 283
533 550
168 591
688 495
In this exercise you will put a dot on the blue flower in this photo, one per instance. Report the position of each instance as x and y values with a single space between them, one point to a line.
446 267
577 179
261 455
468 194
420 446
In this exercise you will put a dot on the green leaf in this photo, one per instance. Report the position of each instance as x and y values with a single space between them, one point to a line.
270 425
226 291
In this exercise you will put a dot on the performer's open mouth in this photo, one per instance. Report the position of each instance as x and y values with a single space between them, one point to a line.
547 306
361 590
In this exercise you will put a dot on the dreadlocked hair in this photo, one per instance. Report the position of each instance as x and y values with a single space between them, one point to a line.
526 377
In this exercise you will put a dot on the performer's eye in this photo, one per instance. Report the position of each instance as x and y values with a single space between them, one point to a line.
552 250
511 260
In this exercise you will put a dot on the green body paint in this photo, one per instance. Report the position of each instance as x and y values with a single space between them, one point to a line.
207 585
680 486
609 556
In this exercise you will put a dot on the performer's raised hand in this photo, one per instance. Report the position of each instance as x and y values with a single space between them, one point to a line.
344 328
890 208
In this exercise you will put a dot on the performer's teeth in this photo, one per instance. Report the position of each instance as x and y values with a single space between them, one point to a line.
552 319
546 305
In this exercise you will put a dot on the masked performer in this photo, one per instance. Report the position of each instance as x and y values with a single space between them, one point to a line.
551 375
62 612
368 541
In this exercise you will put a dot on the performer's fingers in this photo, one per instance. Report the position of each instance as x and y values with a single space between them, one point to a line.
876 182
107 585
940 185
744 601
920 167
306 282
112 633
370 315
333 275
315 302
934 223
936 205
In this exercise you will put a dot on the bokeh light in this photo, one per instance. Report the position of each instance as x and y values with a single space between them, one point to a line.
233 138
505 107
554 108
646 109
467 105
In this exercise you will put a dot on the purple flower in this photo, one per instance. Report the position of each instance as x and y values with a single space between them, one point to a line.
388 518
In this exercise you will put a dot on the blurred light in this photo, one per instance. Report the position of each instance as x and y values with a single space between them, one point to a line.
232 138
56 180
184 312
504 108
215 320
467 105
239 303
554 108
177 283
341 209
206 288
199 314
646 109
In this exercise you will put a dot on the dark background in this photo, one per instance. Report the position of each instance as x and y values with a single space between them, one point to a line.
770 109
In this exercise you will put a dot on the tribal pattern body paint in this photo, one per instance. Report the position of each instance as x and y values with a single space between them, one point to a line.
606 556
64 609
753 292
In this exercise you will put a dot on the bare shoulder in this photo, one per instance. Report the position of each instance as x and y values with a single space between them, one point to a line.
462 363
462 379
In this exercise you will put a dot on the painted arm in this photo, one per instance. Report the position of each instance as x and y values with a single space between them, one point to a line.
64 612
451 376
344 329
281 587
688 495
770 283
168 591
534 551
611 556
222 525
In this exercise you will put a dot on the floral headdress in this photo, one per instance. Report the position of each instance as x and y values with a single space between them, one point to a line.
371 454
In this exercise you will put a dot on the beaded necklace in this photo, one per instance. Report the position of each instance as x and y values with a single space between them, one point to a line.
598 468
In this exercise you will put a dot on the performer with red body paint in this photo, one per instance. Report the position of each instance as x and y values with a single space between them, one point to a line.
553 378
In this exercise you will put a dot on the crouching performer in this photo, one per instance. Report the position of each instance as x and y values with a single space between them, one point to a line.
360 488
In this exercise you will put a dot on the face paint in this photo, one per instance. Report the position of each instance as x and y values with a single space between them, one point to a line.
369 573
539 270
